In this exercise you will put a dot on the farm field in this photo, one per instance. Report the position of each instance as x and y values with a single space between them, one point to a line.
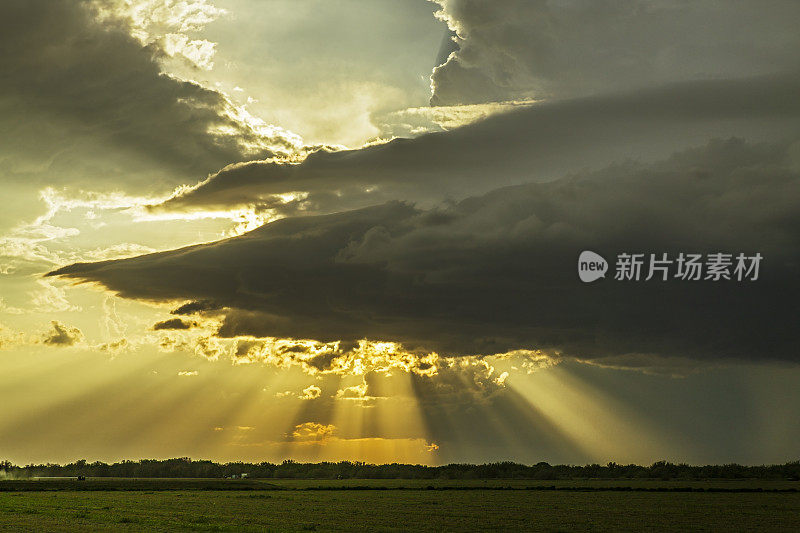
296 505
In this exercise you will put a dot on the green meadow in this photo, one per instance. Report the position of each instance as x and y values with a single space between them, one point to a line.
396 505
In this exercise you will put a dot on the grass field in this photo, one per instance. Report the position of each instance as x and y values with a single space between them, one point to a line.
386 505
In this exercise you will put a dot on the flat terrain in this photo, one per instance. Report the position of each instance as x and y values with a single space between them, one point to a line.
394 505
161 484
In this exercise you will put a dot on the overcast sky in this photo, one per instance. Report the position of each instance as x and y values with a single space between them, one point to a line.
324 230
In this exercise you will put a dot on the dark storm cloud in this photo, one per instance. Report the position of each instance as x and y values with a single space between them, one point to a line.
539 143
511 49
498 272
69 83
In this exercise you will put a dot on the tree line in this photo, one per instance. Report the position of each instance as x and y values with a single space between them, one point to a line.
185 467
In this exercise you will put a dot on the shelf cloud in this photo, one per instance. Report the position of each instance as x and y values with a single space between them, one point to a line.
534 144
496 272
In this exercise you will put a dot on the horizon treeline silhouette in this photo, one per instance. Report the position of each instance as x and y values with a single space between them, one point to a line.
185 467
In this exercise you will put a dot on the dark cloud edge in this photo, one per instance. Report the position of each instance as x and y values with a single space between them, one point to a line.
496 272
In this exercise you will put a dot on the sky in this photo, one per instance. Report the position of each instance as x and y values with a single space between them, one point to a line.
342 230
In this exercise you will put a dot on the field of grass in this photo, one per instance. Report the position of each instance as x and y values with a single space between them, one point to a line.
161 484
295 505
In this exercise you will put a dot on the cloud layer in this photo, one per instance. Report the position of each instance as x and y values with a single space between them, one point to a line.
538 143
512 49
497 272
